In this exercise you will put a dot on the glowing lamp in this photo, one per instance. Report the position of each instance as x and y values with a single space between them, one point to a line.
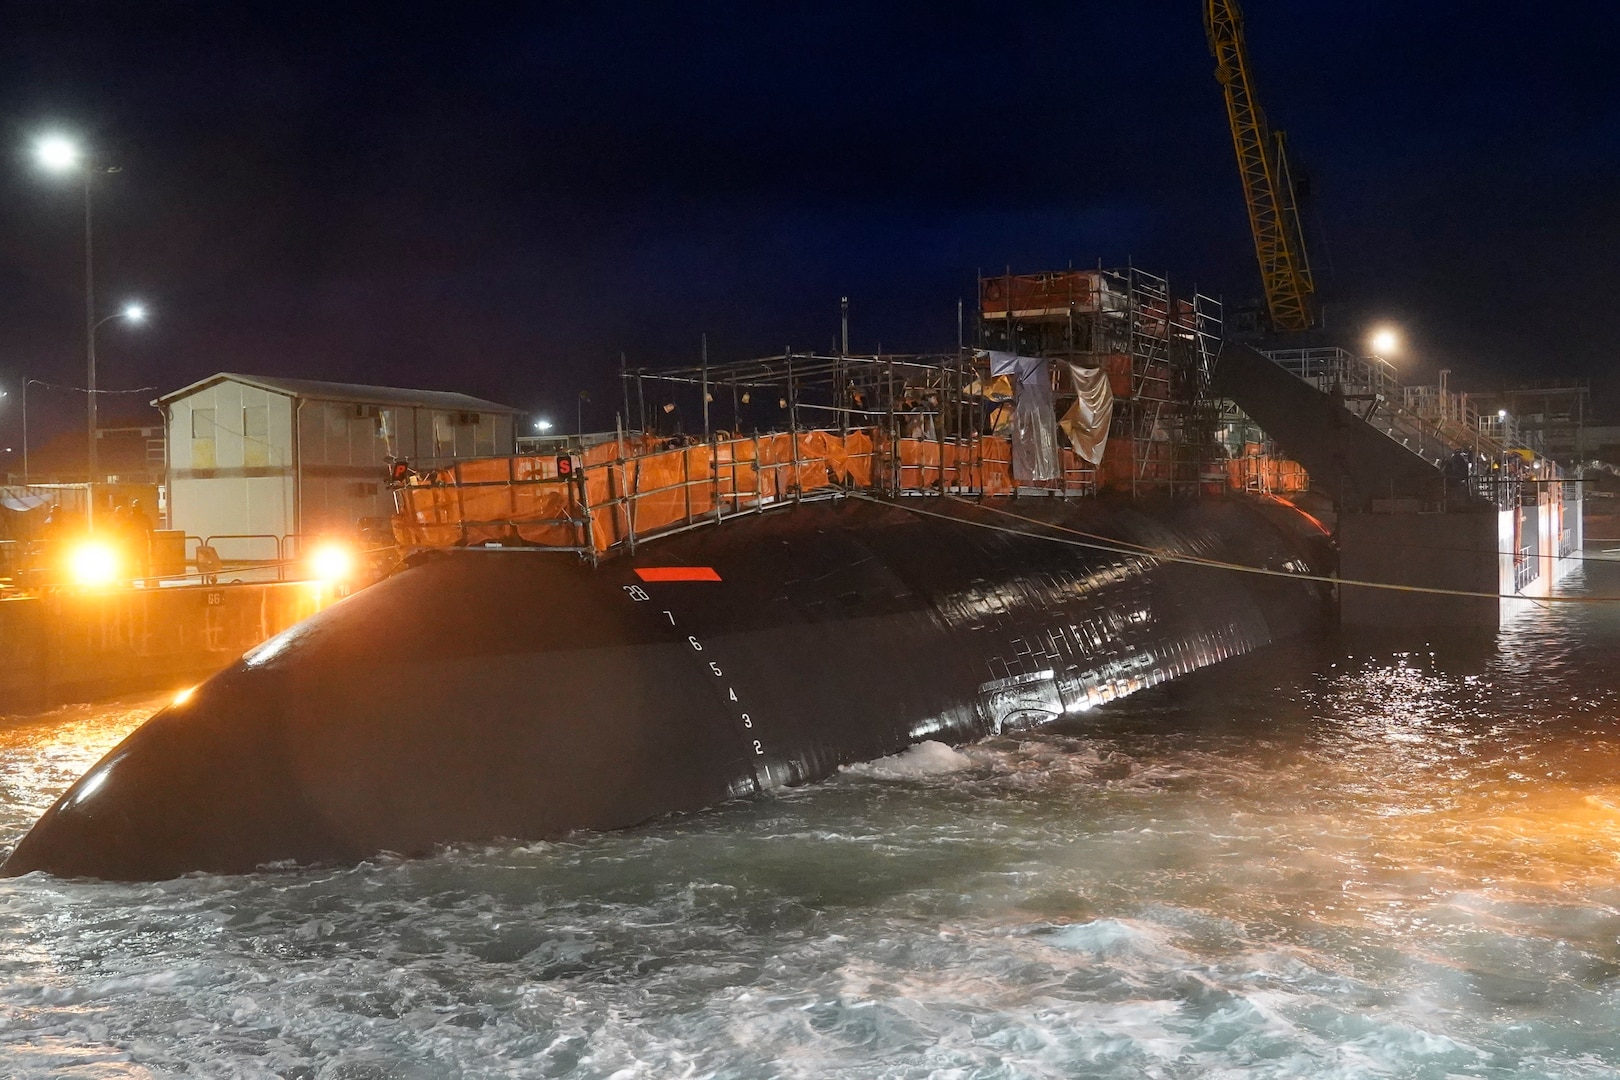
57 153
93 562
1385 342
135 313
332 562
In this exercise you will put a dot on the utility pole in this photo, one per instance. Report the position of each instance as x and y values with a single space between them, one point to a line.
89 350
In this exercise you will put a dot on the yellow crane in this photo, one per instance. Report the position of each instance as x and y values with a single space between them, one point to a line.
1268 189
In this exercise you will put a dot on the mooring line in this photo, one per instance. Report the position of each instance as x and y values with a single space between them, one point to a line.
1125 547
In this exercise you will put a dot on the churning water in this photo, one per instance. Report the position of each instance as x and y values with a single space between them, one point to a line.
1317 861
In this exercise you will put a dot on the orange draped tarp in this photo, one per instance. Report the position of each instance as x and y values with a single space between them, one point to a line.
634 489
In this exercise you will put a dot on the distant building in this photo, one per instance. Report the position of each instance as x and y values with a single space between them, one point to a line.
129 455
274 458
1551 417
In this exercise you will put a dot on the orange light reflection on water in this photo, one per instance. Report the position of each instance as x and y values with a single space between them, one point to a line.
42 755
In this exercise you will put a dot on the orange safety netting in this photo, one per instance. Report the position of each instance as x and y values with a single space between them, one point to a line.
985 465
636 490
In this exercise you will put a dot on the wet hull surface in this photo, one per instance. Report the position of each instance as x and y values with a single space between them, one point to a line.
485 694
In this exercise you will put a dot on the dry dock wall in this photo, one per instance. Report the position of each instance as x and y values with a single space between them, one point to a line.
1428 550
1521 551
80 645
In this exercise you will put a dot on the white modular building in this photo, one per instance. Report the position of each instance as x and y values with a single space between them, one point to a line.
255 463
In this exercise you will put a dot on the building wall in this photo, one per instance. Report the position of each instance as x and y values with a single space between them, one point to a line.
242 458
345 450
231 467
343 456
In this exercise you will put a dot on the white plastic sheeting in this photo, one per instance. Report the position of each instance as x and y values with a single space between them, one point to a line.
1034 427
21 500
1086 422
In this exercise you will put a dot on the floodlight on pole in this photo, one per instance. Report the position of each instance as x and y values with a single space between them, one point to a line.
542 425
58 153
1385 342
132 313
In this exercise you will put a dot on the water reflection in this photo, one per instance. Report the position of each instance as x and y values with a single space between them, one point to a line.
41 755
1338 857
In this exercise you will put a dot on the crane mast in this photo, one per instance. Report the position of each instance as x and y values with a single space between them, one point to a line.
1262 157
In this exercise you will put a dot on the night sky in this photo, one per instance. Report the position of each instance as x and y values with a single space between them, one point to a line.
500 199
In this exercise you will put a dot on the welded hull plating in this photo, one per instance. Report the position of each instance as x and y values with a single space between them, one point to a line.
484 694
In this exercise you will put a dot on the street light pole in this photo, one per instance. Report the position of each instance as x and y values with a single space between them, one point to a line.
61 154
89 347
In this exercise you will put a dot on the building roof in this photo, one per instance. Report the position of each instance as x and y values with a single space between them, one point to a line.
316 390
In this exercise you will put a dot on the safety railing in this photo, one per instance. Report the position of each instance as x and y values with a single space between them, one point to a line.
625 492
1433 433
1526 568
261 562
1328 368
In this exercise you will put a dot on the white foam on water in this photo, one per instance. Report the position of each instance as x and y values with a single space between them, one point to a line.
1104 937
927 758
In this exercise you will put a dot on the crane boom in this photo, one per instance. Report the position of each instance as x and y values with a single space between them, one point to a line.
1262 156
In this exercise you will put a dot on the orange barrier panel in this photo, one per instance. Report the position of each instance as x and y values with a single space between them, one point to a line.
637 489
857 462
484 471
995 471
1119 467
919 462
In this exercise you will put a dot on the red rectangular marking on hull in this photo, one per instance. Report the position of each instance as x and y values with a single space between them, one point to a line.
677 573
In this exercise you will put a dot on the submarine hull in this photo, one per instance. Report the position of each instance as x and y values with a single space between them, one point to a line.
526 694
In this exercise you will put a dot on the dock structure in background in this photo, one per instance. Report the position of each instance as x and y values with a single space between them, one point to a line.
65 645
1429 491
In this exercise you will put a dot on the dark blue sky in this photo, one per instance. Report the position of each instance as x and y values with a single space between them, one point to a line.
499 199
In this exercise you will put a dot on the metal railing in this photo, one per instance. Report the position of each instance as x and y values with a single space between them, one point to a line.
1433 433
256 563
627 492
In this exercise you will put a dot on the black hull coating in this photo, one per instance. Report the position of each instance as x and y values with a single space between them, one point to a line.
520 694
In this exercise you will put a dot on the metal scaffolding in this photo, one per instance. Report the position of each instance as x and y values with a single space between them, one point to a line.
1158 349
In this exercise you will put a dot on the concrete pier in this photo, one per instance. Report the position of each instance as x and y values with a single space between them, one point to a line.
1502 554
77 645
1430 550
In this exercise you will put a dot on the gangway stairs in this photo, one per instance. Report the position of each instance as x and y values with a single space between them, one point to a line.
1345 419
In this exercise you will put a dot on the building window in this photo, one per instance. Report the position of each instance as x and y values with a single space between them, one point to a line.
202 438
444 436
337 427
255 435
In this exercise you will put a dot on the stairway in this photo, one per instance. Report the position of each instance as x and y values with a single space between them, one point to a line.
1342 417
